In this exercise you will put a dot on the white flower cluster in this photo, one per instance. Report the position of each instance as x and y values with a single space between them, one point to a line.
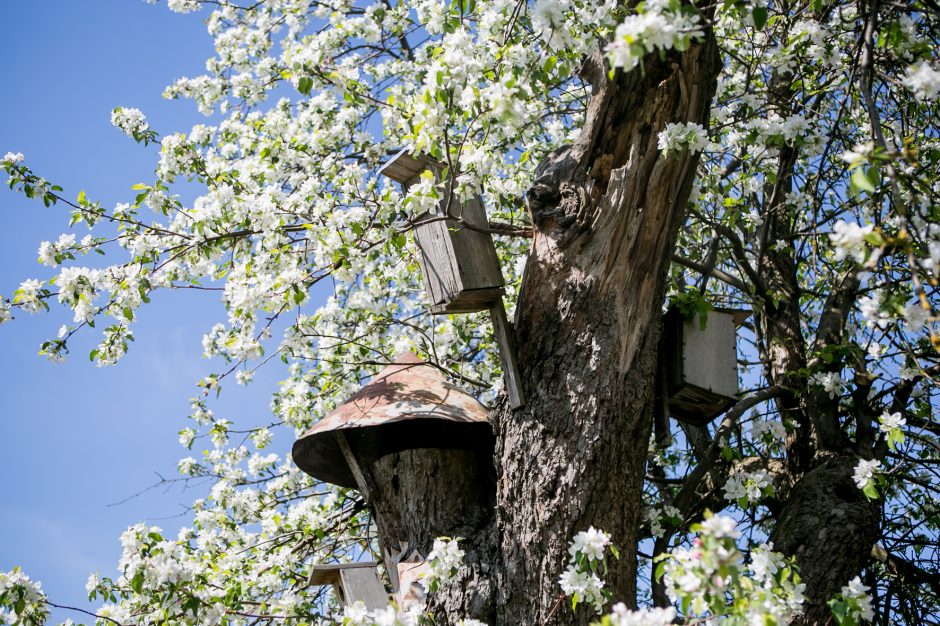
853 602
701 577
831 382
22 601
849 241
442 563
183 6
620 615
891 421
657 25
358 615
768 432
580 580
675 137
924 80
51 254
11 158
748 487
130 121
655 516
865 473
29 295
177 157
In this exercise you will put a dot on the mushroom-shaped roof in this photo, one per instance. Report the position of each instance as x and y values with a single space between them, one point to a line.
407 405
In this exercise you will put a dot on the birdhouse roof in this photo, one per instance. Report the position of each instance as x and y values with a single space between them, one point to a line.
407 405
404 167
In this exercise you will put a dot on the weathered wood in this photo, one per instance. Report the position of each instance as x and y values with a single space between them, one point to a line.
363 481
361 584
329 574
456 255
410 592
606 211
429 493
507 355
353 582
701 364
404 167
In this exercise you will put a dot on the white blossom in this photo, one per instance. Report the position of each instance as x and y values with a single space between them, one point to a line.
129 120
849 240
865 471
683 136
923 79
890 421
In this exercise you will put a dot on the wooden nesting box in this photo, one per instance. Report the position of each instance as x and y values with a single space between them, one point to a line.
353 582
700 365
460 267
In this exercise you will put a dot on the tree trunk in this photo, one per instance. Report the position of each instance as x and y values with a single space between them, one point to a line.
606 212
829 527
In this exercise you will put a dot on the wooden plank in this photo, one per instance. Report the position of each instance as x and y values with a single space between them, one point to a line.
507 355
404 168
329 574
437 260
363 480
709 356
363 585
470 301
478 265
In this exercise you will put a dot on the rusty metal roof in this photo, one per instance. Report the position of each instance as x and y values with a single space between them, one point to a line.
407 405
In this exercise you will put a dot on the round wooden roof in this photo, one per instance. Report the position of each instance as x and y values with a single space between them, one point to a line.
407 405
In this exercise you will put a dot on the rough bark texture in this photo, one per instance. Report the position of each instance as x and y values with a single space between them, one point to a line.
829 526
420 495
606 212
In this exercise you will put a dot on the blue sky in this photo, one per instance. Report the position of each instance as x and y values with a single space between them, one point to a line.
77 438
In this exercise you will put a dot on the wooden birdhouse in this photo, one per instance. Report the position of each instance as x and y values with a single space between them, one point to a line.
417 447
458 259
700 364
460 267
353 582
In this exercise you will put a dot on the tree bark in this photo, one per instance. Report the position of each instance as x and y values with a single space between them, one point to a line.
606 212
829 527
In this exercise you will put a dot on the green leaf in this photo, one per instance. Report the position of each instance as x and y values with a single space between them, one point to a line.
759 14
861 182
305 85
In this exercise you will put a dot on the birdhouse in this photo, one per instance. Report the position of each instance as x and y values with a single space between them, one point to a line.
416 446
353 582
407 405
460 267
458 260
700 364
